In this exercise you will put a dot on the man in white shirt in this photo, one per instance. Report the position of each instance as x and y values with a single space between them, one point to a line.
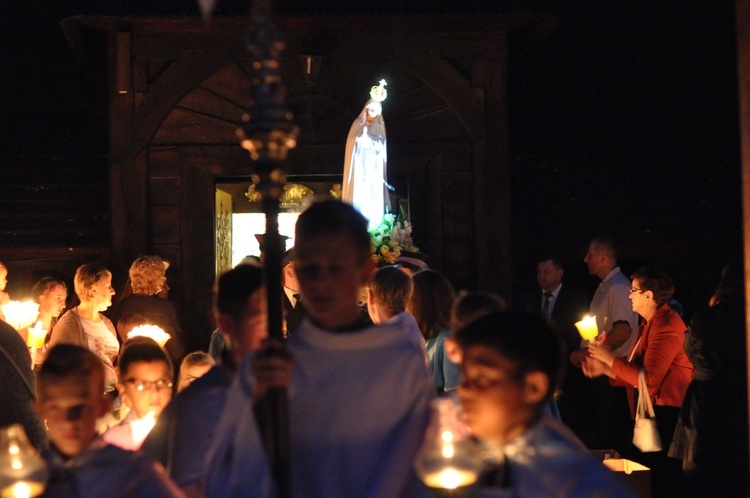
618 324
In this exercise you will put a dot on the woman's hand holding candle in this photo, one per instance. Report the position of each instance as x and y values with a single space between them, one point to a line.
600 351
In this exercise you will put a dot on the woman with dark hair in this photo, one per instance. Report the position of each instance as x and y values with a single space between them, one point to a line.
712 433
657 351
431 303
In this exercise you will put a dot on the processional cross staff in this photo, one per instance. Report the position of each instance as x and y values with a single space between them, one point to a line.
268 133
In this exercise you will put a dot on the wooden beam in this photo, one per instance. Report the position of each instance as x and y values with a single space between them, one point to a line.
743 72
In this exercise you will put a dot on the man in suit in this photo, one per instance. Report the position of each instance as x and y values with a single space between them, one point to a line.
563 306
291 299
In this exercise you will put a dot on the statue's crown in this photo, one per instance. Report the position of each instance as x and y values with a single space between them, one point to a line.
379 93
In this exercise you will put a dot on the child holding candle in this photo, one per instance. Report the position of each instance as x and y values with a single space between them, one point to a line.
52 294
145 386
70 399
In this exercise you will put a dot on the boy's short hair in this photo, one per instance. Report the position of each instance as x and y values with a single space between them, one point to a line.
87 276
392 288
147 275
471 306
334 218
526 339
66 361
142 349
234 287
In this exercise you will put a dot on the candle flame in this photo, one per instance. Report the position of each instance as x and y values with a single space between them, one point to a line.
20 314
450 478
588 327
152 332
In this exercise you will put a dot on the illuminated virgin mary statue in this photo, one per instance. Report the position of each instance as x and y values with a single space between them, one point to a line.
364 185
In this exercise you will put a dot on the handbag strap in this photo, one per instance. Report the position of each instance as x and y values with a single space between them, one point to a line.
632 352
645 407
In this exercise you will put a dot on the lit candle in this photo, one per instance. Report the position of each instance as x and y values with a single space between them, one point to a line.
588 328
20 314
142 426
36 336
448 458
450 478
152 332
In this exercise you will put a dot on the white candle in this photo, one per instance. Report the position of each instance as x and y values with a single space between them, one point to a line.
588 328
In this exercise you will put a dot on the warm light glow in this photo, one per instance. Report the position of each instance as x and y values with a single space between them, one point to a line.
22 471
588 328
450 478
152 332
449 451
23 489
142 427
36 336
20 314
447 436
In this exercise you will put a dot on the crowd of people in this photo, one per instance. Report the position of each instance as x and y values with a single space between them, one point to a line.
116 412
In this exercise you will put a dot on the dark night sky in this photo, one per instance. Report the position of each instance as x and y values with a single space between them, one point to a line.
623 120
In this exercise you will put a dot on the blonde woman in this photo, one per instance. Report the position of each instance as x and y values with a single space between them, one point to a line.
85 325
148 277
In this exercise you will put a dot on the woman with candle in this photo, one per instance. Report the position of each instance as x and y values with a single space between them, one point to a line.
85 325
148 278
51 293
657 350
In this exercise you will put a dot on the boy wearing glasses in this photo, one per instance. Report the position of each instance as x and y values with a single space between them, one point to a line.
145 374
70 392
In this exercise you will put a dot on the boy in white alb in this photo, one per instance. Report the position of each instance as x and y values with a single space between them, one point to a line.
358 396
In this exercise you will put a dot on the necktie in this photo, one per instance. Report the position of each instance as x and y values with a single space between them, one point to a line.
545 308
297 298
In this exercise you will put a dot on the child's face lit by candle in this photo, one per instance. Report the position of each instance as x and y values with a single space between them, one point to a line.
493 395
146 387
53 302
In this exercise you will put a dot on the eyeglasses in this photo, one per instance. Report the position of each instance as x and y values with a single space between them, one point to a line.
633 290
146 385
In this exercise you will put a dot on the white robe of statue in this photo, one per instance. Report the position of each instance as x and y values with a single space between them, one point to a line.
364 183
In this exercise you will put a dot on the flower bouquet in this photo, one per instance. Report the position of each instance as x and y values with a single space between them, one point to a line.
390 237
